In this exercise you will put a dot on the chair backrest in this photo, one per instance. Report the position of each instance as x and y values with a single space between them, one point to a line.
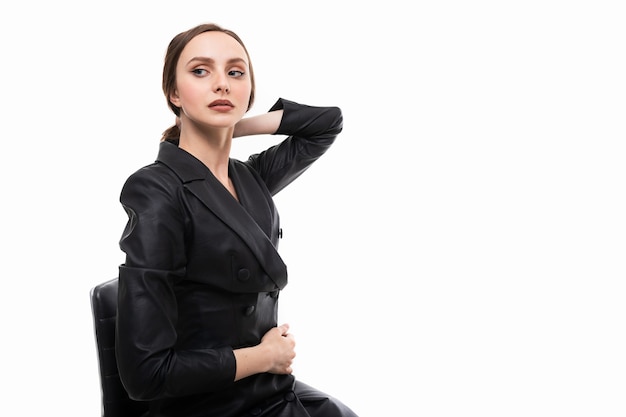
115 400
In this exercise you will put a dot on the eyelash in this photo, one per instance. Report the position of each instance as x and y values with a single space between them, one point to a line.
202 72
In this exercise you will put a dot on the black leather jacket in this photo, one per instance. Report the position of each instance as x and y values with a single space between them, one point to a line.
202 273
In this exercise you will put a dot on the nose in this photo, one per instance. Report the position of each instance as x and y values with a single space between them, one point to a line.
221 84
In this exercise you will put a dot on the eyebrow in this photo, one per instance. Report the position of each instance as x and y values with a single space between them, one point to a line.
211 60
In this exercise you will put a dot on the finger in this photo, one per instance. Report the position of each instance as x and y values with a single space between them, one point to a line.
284 328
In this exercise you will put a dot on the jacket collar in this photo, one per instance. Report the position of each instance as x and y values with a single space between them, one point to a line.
185 165
198 179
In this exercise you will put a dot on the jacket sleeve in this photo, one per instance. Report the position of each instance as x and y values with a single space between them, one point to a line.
310 132
150 365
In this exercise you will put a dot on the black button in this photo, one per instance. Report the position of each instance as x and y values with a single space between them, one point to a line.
280 233
243 274
249 310
273 294
290 396
256 411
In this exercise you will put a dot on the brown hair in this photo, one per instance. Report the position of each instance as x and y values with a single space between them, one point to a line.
174 50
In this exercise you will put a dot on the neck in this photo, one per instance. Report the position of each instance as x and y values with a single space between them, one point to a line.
211 148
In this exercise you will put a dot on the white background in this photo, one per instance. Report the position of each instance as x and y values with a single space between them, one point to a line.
458 252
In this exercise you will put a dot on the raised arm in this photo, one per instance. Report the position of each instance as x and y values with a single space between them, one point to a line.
262 124
310 131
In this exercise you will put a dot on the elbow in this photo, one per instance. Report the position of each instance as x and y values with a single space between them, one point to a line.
335 117
143 379
139 387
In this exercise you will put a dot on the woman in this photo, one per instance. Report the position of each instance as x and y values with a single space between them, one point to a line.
197 331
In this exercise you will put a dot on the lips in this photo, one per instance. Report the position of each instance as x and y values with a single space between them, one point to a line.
221 103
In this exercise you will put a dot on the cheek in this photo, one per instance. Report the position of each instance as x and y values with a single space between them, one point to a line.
243 94
190 93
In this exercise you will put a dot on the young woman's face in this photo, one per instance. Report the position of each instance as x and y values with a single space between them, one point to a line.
213 85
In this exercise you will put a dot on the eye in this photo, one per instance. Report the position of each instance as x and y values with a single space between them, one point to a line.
199 71
236 73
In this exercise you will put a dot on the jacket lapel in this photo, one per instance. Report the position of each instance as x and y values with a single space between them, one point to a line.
198 179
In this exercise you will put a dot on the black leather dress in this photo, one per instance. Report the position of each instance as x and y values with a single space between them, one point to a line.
202 277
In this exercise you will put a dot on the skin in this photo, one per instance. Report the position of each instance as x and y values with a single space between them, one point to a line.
214 66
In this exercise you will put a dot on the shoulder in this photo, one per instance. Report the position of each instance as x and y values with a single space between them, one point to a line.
155 171
152 179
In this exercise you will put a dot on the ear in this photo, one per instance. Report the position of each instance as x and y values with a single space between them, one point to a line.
174 98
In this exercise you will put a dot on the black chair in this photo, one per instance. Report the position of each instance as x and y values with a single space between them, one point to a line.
115 400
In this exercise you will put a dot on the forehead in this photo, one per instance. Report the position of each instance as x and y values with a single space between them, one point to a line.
214 45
